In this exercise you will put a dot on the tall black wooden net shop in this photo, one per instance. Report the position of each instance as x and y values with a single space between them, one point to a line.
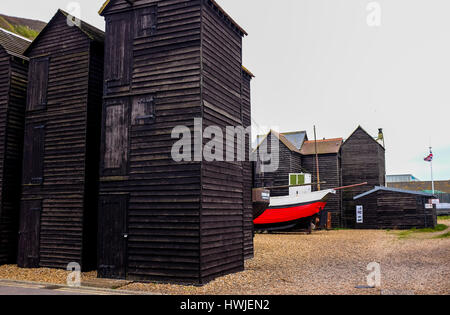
61 146
166 63
13 86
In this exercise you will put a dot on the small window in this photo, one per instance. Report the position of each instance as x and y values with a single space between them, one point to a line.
296 179
116 140
143 110
145 22
34 154
38 83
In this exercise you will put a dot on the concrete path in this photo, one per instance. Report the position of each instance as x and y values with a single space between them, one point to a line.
8 287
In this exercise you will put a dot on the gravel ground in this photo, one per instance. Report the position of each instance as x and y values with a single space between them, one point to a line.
332 262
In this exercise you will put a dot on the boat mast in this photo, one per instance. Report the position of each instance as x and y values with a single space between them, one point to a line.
317 159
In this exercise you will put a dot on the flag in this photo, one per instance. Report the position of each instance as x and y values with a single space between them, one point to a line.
429 158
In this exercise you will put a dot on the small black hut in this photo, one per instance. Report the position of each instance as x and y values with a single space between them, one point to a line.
62 135
167 64
13 86
363 160
330 171
390 208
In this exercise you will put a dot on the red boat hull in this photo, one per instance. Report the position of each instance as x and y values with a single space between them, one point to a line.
283 218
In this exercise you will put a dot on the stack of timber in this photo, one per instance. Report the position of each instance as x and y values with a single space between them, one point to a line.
13 86
391 208
330 172
62 134
169 63
363 160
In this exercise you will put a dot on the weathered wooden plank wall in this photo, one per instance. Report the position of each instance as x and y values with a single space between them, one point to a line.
183 220
330 172
247 168
13 83
394 210
288 162
363 160
60 160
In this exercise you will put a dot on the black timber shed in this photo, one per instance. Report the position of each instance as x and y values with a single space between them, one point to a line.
58 219
13 87
330 172
391 208
363 160
168 63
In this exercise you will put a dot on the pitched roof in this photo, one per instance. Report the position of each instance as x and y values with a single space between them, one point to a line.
379 188
361 128
213 3
281 138
297 138
13 44
326 146
90 31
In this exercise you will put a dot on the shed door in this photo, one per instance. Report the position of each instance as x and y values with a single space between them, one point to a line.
118 47
29 233
113 237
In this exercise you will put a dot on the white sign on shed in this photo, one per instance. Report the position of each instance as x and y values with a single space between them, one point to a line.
359 214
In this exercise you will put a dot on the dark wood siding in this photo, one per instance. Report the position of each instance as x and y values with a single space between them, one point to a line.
13 82
394 210
247 169
70 122
363 160
330 172
288 162
185 219
222 182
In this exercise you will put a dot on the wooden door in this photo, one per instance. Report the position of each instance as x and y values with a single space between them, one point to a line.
112 234
29 234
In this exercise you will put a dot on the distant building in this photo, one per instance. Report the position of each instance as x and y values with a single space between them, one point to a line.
405 178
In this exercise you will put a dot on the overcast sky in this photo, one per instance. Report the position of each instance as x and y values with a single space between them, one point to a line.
318 62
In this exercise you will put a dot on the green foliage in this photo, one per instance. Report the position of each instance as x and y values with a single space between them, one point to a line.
445 235
438 228
18 29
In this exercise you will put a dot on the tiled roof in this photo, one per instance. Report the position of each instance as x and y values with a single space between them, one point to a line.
327 146
13 44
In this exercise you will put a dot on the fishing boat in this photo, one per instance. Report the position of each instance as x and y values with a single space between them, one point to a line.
289 211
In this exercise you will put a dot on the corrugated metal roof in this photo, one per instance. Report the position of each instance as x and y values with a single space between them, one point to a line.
13 44
410 192
297 138
327 146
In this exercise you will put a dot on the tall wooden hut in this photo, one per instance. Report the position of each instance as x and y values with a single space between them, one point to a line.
62 135
330 171
289 160
392 208
167 63
13 86
363 160
248 165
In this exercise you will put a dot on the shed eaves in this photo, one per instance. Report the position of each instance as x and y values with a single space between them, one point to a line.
13 44
378 188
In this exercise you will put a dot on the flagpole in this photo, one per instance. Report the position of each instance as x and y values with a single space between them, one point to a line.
431 165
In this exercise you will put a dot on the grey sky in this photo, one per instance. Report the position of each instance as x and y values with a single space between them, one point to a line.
318 62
